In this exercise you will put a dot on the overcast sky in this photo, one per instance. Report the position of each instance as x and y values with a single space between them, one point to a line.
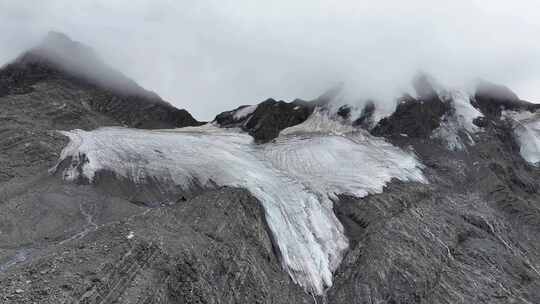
211 56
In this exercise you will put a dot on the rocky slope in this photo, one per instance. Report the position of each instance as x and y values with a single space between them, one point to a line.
160 227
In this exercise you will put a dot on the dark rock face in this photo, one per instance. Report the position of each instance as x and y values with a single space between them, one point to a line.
491 99
414 117
228 120
270 117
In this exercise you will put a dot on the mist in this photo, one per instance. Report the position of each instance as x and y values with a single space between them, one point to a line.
212 56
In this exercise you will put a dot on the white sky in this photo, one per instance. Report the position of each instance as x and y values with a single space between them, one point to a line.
210 56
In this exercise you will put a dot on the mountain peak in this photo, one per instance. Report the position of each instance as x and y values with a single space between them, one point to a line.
62 49
495 91
67 65
492 99
424 85
58 52
54 35
54 38
59 49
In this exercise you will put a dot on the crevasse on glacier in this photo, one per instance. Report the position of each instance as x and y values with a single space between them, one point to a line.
295 177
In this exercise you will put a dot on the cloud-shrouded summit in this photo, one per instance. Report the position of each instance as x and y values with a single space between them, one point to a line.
211 56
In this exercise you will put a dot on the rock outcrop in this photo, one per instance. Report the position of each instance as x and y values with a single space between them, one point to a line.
265 120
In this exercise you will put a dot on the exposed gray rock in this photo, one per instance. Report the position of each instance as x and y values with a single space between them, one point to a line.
211 249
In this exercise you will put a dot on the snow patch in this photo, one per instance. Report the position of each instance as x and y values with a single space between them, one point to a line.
295 177
465 112
527 131
320 122
457 128
244 112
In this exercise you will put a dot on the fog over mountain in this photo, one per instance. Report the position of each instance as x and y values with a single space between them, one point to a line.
210 56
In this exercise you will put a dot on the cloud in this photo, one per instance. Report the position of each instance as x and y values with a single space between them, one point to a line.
210 56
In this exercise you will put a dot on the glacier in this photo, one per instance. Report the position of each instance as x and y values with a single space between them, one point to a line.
296 177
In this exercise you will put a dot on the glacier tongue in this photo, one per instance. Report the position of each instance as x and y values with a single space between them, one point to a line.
295 177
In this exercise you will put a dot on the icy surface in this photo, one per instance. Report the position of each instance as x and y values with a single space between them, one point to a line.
295 177
527 131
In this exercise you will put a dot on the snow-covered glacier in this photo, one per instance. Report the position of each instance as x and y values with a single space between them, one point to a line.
295 177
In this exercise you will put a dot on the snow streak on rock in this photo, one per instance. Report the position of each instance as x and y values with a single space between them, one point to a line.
527 131
245 111
464 111
295 177
456 129
320 122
